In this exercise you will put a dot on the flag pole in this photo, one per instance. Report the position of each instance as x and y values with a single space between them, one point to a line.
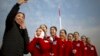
60 22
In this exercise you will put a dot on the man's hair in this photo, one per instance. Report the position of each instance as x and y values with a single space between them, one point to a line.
22 13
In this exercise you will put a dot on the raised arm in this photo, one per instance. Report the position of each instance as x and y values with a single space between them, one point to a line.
11 16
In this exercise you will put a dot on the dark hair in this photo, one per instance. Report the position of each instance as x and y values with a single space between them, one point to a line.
76 32
64 31
22 13
44 25
83 36
54 27
70 34
38 28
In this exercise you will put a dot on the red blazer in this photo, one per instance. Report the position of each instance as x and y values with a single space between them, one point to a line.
55 46
33 48
62 48
86 50
39 47
68 50
79 47
65 48
45 47
92 51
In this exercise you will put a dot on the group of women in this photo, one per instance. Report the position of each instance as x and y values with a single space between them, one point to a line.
63 45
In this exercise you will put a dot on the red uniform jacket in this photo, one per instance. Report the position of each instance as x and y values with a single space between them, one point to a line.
79 47
92 51
68 49
86 50
55 46
65 48
62 48
39 47
33 48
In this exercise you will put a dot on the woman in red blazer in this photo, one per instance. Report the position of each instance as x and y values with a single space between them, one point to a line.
70 37
92 49
65 46
44 28
86 48
77 46
63 42
70 43
39 46
55 41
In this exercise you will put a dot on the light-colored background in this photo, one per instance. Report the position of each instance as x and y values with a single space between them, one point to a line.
77 15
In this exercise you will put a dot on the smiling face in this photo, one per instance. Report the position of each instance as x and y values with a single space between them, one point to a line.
70 36
44 27
63 34
76 35
53 31
38 31
20 17
83 38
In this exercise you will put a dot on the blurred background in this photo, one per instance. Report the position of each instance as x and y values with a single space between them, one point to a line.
76 15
